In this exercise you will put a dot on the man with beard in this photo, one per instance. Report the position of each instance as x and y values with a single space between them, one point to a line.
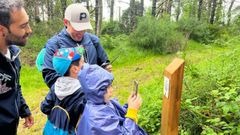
77 22
14 30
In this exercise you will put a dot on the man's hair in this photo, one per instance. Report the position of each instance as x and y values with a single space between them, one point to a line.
74 63
6 7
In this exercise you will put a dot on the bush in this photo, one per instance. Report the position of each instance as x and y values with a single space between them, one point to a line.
111 42
112 28
159 36
48 28
211 104
198 30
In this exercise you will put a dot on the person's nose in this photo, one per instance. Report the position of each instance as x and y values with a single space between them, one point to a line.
28 30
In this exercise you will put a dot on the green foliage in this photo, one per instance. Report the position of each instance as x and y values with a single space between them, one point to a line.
198 30
126 24
111 42
150 116
112 28
234 28
212 107
159 36
48 28
33 47
119 48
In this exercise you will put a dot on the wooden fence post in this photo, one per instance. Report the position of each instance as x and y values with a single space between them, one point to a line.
173 78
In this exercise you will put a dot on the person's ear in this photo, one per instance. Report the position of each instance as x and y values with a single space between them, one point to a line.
65 22
2 31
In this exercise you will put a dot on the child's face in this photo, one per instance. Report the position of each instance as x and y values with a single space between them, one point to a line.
109 93
75 69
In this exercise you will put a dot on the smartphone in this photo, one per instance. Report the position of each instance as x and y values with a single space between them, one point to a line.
135 91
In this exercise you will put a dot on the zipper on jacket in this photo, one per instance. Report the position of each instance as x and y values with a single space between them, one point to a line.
15 81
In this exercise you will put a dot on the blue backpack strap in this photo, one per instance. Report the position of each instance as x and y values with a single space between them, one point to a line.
58 122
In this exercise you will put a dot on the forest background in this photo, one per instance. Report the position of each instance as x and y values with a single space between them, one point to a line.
205 33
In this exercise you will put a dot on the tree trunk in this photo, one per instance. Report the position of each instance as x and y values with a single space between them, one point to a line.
209 9
178 9
36 11
43 11
49 9
111 10
200 3
98 16
212 17
154 4
193 9
229 14
64 6
169 7
142 8
132 14
219 12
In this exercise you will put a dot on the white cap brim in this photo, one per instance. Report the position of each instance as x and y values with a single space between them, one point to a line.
81 26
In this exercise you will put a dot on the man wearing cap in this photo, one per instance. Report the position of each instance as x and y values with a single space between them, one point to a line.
76 21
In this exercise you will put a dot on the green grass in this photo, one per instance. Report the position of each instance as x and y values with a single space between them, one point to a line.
34 90
132 64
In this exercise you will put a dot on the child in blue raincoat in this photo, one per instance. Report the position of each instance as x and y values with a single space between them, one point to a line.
102 115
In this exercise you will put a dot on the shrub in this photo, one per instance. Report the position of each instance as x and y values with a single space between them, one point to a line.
159 36
48 28
211 102
111 42
198 30
112 28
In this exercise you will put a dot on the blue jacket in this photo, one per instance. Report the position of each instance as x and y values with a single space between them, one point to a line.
100 118
94 52
12 103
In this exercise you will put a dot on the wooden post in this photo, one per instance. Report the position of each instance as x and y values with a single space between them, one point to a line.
173 78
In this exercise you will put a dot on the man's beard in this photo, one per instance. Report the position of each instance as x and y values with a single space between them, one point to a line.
12 39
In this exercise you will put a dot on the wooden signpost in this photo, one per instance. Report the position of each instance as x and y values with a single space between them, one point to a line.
173 78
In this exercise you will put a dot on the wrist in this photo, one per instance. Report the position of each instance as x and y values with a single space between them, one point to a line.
132 114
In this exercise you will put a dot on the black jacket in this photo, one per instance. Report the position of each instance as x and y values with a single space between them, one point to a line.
12 103
73 103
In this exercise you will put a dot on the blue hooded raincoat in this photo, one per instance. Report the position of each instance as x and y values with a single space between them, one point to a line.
100 118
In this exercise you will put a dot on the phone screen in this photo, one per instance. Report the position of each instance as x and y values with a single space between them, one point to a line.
135 87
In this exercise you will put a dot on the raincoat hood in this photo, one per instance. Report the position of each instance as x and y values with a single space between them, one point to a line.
66 86
94 81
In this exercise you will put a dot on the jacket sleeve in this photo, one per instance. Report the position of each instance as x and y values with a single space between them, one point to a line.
23 107
48 72
48 103
101 121
110 125
102 55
